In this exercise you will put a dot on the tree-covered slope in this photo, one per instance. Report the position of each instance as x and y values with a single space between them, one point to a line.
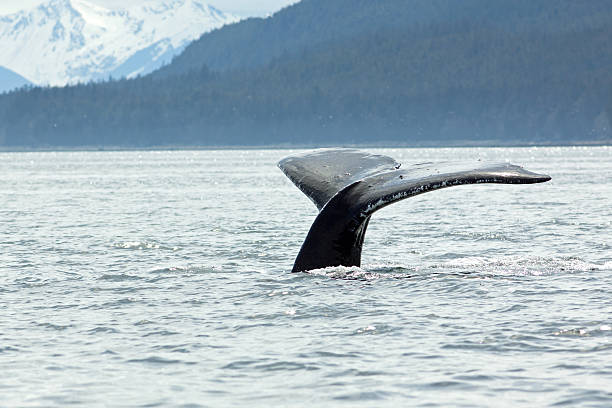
256 42
452 81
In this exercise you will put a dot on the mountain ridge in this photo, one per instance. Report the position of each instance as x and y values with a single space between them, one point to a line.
68 41
256 42
10 80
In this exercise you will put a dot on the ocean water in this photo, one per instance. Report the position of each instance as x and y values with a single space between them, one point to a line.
162 278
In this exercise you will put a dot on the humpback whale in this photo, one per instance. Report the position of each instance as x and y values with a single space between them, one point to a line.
349 185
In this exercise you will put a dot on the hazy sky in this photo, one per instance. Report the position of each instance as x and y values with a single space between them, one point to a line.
242 7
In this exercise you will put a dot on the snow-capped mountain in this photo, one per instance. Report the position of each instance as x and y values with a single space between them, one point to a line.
68 41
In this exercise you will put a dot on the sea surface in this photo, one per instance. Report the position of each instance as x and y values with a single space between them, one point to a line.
162 279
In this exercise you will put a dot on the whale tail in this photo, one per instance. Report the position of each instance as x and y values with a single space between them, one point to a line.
348 186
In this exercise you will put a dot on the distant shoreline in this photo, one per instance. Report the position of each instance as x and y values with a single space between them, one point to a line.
464 145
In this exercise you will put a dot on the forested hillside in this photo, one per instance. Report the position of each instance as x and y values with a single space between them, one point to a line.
311 22
469 72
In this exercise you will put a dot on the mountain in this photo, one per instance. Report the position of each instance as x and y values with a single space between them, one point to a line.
69 41
9 80
256 42
473 72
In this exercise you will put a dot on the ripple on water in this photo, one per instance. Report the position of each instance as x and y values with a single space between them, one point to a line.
268 365
102 330
156 360
162 333
119 277
365 396
173 348
52 326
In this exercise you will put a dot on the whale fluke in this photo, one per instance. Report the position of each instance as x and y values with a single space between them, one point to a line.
348 186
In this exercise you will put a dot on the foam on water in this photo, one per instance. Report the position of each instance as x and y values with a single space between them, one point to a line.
472 266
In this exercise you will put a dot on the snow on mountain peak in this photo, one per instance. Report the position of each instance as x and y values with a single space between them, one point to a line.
68 41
